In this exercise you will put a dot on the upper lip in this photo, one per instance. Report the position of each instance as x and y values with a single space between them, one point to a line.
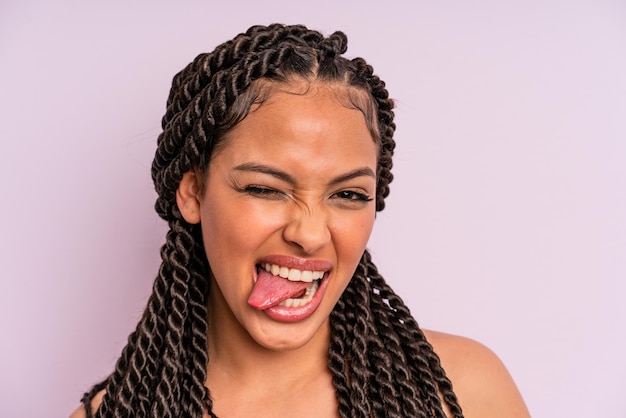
297 263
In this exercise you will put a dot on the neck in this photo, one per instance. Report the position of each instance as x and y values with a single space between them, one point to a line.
235 357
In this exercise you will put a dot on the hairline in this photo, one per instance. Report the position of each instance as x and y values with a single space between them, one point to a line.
261 91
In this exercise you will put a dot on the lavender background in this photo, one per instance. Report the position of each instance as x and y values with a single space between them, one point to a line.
505 223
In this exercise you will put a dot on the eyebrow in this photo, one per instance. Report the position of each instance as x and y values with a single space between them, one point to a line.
281 175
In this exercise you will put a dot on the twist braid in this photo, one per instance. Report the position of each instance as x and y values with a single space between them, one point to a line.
386 128
423 361
198 392
386 370
381 363
141 384
397 395
337 361
398 373
382 390
168 395
356 297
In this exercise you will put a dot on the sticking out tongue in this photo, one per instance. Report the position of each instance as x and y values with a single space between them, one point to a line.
270 290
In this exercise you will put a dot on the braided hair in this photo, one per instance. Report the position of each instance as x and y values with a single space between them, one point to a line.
380 360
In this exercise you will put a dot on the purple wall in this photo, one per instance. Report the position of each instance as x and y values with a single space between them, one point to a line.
505 223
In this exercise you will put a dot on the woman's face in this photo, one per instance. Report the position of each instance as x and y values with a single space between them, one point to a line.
291 193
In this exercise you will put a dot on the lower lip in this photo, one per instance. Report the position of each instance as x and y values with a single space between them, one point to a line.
285 314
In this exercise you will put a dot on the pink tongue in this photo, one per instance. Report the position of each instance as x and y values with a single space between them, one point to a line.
270 290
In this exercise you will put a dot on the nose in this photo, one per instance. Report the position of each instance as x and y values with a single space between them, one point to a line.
307 229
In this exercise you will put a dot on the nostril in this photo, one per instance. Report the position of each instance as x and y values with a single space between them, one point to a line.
308 232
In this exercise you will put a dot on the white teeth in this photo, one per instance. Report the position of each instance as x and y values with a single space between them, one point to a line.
274 269
294 275
307 276
283 272
310 291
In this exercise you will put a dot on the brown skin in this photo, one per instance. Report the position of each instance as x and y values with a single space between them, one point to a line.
482 383
311 217
304 213
289 182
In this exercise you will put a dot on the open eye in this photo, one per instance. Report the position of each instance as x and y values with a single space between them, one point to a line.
353 196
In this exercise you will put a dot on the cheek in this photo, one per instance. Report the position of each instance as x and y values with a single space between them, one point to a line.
236 226
352 233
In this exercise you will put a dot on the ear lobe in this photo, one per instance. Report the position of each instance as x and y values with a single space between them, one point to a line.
188 197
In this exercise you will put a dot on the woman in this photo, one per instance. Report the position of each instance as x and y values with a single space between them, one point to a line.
274 158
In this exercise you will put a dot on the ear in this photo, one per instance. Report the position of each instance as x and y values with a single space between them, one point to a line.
188 197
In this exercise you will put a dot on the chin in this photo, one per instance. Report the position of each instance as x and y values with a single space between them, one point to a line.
292 336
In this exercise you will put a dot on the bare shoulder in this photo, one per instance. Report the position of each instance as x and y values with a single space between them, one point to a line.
95 403
481 382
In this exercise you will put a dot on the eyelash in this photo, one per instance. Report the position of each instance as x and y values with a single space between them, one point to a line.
353 196
349 195
261 191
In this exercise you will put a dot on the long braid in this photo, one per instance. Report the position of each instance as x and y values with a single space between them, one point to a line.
398 396
380 389
356 297
387 128
168 395
381 363
195 334
420 355
135 388
340 337
408 375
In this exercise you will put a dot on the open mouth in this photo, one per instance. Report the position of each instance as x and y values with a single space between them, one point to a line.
305 295
293 274
280 286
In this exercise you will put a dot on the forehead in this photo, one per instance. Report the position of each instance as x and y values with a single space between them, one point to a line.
302 122
263 89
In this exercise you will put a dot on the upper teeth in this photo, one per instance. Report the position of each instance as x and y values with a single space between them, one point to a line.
294 275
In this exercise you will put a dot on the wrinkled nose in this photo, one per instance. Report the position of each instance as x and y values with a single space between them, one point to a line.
307 230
